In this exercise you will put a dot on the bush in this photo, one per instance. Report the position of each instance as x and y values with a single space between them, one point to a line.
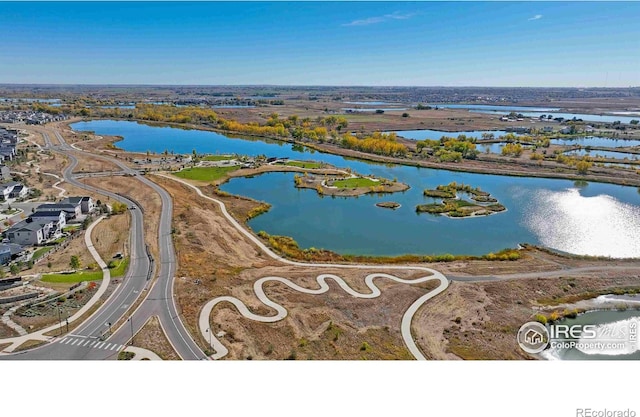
540 318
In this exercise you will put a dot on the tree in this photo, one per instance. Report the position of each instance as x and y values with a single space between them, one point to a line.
15 269
583 166
74 263
634 121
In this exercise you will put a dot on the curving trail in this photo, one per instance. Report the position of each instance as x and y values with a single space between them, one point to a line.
281 312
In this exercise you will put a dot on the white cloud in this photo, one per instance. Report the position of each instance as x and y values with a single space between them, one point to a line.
379 19
536 17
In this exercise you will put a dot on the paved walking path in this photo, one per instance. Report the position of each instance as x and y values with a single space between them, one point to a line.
221 351
106 278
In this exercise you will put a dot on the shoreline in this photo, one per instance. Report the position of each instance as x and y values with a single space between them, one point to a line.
335 150
219 182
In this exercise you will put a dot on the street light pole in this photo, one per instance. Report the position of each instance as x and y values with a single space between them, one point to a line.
131 323
59 321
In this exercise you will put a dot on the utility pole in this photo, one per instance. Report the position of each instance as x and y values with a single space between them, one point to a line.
59 321
130 320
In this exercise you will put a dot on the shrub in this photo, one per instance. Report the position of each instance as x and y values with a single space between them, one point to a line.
540 318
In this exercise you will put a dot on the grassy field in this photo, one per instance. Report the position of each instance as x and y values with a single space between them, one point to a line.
41 251
120 269
300 164
355 183
205 173
71 278
217 158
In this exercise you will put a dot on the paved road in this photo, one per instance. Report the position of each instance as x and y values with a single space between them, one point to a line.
159 300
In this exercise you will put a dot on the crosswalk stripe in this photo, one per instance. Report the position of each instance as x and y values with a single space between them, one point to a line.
114 346
62 340
100 345
93 344
106 347
74 342
67 342
87 342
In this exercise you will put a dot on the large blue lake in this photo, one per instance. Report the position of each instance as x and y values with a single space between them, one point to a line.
597 219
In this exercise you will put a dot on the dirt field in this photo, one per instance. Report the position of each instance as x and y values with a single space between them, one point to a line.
61 257
481 320
6 331
215 259
111 236
152 337
146 197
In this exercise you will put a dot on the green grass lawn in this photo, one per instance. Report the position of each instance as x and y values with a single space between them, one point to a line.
300 164
120 269
355 183
205 173
72 278
217 158
41 251
69 228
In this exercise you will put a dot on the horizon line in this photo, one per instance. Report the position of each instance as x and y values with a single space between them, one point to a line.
306 85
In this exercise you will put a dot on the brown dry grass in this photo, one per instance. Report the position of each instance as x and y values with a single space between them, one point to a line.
111 236
30 344
152 337
145 196
215 259
6 331
4 345
89 164
480 320
60 258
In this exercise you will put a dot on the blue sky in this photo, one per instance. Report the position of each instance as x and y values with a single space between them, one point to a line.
333 43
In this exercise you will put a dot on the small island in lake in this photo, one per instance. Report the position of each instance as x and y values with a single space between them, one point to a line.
388 204
348 185
483 203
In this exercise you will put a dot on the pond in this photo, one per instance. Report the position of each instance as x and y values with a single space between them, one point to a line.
437 134
604 154
599 219
612 327
597 141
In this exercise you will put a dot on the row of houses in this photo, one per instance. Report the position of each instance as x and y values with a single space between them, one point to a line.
8 144
29 117
48 221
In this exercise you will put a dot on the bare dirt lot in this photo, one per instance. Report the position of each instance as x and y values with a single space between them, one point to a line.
481 320
215 260
152 337
148 199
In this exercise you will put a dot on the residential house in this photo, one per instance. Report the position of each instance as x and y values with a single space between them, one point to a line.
72 210
57 217
6 189
19 191
5 254
5 173
29 232
86 203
